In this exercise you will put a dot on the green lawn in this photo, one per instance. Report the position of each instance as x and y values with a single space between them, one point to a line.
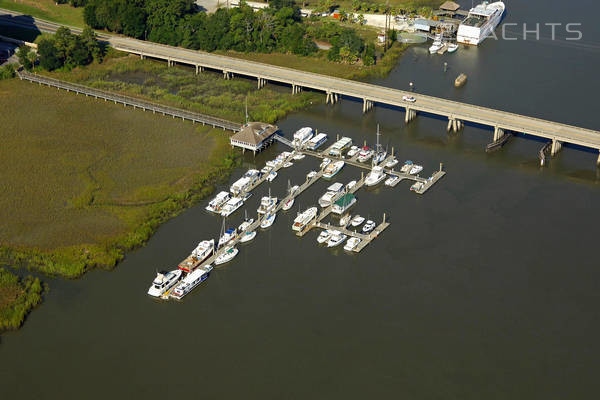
46 9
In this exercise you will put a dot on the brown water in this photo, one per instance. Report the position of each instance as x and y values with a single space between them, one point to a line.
485 287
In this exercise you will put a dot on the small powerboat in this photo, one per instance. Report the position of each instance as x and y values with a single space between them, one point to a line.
368 226
323 236
357 220
351 243
228 255
272 175
248 236
268 221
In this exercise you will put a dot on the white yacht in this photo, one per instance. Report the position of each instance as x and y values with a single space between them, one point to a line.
164 281
244 225
415 169
391 163
304 218
353 151
391 181
452 47
351 243
343 203
216 203
345 220
248 236
350 185
375 176
437 44
226 256
324 163
311 174
227 237
232 204
406 167
323 236
245 182
191 281
481 21
336 239
365 154
204 250
369 226
357 220
298 156
268 220
302 136
287 164
267 204
333 192
272 175
332 169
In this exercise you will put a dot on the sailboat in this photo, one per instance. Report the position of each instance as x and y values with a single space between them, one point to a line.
380 154
226 235
290 202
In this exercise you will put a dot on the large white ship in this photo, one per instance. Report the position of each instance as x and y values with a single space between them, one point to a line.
480 23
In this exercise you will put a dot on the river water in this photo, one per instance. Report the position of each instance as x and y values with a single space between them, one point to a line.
485 287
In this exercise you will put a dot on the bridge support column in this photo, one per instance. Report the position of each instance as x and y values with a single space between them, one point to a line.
556 146
598 161
199 69
409 115
367 105
296 89
142 56
227 74
498 133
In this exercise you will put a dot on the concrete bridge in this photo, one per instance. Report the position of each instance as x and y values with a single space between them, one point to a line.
457 113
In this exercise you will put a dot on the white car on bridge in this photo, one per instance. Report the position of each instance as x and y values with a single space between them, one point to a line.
409 98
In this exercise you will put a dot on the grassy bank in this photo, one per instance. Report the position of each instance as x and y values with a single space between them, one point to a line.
84 181
46 9
207 93
17 298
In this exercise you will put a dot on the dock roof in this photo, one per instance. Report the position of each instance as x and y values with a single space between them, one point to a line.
449 6
254 133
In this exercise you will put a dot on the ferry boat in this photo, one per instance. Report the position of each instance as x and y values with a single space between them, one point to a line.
267 204
481 21
375 176
351 244
245 182
353 151
164 281
304 218
323 236
338 147
316 141
192 280
357 220
248 236
336 239
232 204
302 136
268 220
332 169
365 154
215 204
369 226
343 203
226 256
204 250
333 192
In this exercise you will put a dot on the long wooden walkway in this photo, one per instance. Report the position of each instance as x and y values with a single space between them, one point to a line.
131 101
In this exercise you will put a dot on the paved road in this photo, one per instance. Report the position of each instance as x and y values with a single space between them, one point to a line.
367 92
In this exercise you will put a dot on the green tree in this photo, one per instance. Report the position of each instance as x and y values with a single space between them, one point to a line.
23 54
47 53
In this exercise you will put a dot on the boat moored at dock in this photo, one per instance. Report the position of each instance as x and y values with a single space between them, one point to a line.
316 141
333 192
267 204
332 169
232 204
375 176
226 256
368 226
481 21
336 239
343 203
215 204
268 220
304 218
351 244
245 182
164 281
338 147
204 250
301 136
191 280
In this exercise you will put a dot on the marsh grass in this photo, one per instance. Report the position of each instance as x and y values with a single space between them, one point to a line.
17 298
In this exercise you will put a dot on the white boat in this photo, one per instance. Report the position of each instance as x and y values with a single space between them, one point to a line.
417 186
232 204
287 164
164 281
204 250
353 151
316 141
345 220
338 147
192 280
452 47
298 156
304 218
380 153
268 220
415 169
227 237
391 162
266 169
391 181
302 136
332 169
481 21
333 192
406 167
437 44
324 163
248 236
369 226
350 185
357 220
267 204
343 203
323 236
365 154
336 239
375 176
215 204
270 164
288 204
272 175
351 243
293 189
244 225
311 174
242 184
226 256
